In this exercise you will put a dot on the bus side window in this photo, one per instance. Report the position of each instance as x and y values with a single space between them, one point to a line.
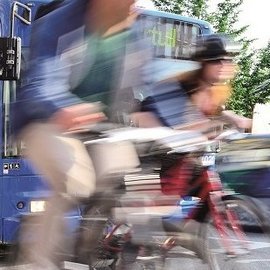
194 37
190 34
170 38
163 35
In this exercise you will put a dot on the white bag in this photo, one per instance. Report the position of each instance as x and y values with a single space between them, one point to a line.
81 178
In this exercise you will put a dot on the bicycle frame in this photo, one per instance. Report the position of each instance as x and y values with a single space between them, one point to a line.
211 195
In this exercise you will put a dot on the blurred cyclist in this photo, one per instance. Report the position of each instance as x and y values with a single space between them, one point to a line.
193 97
69 75
190 101
209 87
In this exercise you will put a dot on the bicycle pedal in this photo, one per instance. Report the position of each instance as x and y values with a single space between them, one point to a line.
231 254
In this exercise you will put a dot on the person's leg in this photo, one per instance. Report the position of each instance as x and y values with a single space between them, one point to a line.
57 159
128 256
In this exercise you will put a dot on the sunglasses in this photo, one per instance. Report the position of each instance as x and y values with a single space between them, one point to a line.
219 61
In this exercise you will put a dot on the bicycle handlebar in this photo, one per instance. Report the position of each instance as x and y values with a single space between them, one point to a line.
160 139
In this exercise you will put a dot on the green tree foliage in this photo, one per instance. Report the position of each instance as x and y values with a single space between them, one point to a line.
241 101
174 6
252 84
194 8
225 17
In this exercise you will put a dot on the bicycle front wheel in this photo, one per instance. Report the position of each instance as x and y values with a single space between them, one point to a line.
89 246
239 239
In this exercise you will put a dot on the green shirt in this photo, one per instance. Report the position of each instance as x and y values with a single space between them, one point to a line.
105 69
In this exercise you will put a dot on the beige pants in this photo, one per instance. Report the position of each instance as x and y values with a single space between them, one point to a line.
66 165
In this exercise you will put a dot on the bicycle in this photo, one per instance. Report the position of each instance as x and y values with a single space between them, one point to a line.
99 244
223 237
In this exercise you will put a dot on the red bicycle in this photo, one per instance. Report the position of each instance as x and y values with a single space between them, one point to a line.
224 238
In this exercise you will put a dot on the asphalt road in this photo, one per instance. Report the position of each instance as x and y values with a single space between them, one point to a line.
257 259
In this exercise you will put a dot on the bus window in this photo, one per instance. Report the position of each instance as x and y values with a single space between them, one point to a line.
190 34
173 39
10 148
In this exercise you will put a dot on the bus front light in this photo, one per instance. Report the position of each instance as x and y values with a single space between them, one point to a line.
37 206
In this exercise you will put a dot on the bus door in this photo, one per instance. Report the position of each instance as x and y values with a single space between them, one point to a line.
23 191
19 184
1 188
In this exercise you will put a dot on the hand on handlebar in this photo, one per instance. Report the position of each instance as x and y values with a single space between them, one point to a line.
238 120
75 116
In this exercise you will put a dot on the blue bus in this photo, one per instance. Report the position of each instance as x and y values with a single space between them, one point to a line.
22 190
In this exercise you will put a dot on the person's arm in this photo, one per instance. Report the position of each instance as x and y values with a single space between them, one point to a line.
44 90
145 120
238 120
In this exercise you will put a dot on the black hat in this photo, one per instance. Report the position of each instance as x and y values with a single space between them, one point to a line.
214 47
